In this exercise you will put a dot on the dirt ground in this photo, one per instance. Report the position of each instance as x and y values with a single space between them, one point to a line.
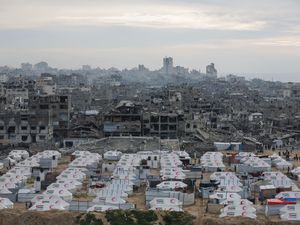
138 198
22 217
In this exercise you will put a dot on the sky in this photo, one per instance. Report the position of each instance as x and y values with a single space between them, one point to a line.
255 38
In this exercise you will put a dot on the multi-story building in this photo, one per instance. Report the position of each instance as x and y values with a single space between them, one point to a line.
125 120
56 108
211 70
46 85
168 65
24 127
3 78
163 125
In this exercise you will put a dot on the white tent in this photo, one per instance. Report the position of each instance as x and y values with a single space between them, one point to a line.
46 207
238 214
112 155
225 196
77 169
46 197
212 161
58 202
4 190
23 153
19 171
219 175
7 185
290 209
171 185
255 164
102 208
68 186
296 171
63 193
288 194
284 165
235 189
78 173
157 202
167 208
176 175
111 193
230 182
122 182
236 201
16 178
292 216
6 203
114 200
271 175
238 208
70 177
76 183
27 163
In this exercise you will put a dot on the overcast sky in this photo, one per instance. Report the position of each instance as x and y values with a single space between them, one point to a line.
253 37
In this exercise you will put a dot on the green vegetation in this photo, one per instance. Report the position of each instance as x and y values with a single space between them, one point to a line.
132 217
89 219
178 218
145 217
119 217
137 217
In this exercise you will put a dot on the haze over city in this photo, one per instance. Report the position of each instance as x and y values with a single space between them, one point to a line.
252 38
147 112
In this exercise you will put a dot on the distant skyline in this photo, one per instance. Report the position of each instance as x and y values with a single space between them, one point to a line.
260 37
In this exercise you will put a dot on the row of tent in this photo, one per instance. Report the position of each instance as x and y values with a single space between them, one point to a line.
278 180
281 163
115 193
250 163
172 175
17 176
58 195
227 182
13 158
171 166
212 162
290 212
286 204
234 205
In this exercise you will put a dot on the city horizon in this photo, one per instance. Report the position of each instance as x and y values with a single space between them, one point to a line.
239 38
281 77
